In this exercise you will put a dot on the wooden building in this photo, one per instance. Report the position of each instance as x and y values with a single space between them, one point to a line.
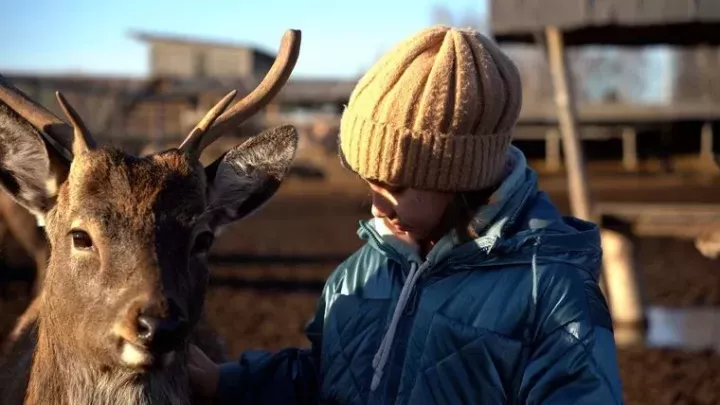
609 22
683 24
187 75
555 25
187 58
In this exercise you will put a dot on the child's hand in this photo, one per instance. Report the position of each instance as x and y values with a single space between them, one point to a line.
204 373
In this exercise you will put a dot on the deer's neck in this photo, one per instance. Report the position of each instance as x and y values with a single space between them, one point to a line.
59 378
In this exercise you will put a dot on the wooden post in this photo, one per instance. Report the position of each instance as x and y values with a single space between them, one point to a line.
629 144
553 154
665 143
708 244
619 272
623 283
565 101
623 286
152 123
160 122
707 154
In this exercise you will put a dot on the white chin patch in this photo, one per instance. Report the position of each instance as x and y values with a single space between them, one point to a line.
134 356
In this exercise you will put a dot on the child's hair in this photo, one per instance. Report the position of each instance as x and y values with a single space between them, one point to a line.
462 209
459 215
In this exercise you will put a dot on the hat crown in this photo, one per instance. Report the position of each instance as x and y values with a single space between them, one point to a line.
415 111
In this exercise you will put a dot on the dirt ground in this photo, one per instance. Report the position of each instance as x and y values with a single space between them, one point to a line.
268 269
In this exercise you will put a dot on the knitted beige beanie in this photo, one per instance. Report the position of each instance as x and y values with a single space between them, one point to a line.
436 113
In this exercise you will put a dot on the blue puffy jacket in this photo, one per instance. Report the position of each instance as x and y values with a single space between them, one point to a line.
515 316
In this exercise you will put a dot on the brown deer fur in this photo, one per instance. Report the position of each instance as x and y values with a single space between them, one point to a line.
124 289
145 217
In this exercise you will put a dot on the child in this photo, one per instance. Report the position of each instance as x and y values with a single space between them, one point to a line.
471 287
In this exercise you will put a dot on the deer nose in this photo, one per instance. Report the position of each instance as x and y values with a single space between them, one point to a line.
161 335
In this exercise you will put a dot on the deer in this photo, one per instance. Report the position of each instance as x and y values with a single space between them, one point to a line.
22 225
124 289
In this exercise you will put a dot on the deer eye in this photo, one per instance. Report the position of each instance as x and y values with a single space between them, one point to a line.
81 239
203 242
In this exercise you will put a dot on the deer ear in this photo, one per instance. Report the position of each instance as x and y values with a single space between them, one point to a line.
30 171
243 179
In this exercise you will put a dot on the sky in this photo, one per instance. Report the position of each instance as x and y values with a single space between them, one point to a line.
340 39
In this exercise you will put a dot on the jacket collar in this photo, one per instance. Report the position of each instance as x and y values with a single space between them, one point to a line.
490 221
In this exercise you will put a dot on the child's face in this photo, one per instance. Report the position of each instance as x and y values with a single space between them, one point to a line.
410 213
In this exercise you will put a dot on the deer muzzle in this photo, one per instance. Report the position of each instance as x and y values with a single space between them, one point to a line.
148 337
161 335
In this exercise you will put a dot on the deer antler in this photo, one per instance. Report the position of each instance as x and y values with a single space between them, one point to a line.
207 121
53 129
206 132
82 141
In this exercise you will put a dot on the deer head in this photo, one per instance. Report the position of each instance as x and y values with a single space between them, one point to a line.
129 235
